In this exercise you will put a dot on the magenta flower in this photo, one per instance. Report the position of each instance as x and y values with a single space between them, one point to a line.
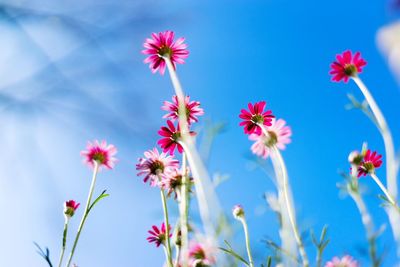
154 164
158 236
346 261
278 135
163 45
255 117
202 253
370 162
171 138
346 66
192 109
70 207
102 153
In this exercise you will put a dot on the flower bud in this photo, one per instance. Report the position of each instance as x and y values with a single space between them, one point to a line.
70 207
355 158
238 212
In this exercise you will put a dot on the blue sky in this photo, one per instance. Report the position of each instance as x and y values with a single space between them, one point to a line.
73 72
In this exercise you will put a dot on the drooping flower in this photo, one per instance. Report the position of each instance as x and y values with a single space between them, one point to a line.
238 212
70 207
162 45
347 66
171 137
254 117
158 235
172 182
370 162
202 254
278 135
100 152
192 109
154 164
346 261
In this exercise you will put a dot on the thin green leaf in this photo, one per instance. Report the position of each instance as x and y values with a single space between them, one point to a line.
101 196
43 254
231 252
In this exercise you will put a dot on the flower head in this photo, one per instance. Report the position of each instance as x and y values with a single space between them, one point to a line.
157 235
172 182
238 212
154 164
162 45
70 207
346 261
254 117
171 137
101 153
192 109
347 66
370 162
202 254
278 135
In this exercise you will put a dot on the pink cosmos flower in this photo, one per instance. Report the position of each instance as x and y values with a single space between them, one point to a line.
70 207
163 45
154 164
346 66
171 136
202 254
158 236
346 261
192 109
254 117
370 162
102 153
279 136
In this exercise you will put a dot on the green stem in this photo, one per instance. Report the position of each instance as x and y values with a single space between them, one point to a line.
184 211
246 234
64 242
166 222
383 188
85 214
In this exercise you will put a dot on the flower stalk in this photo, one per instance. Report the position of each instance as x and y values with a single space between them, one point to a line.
64 241
96 166
166 222
184 212
247 238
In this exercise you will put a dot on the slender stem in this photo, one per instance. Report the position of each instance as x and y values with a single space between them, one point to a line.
166 222
368 225
85 214
204 188
64 242
246 234
383 188
184 211
391 165
278 156
302 251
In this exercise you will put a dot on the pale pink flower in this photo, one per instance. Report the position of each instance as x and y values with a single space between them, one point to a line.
100 152
346 261
192 109
163 45
202 253
172 182
154 165
279 136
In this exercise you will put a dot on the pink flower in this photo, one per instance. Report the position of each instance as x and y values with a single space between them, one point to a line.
256 116
102 153
192 109
346 261
70 207
163 45
202 253
279 136
172 182
370 162
158 236
346 66
155 164
171 138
